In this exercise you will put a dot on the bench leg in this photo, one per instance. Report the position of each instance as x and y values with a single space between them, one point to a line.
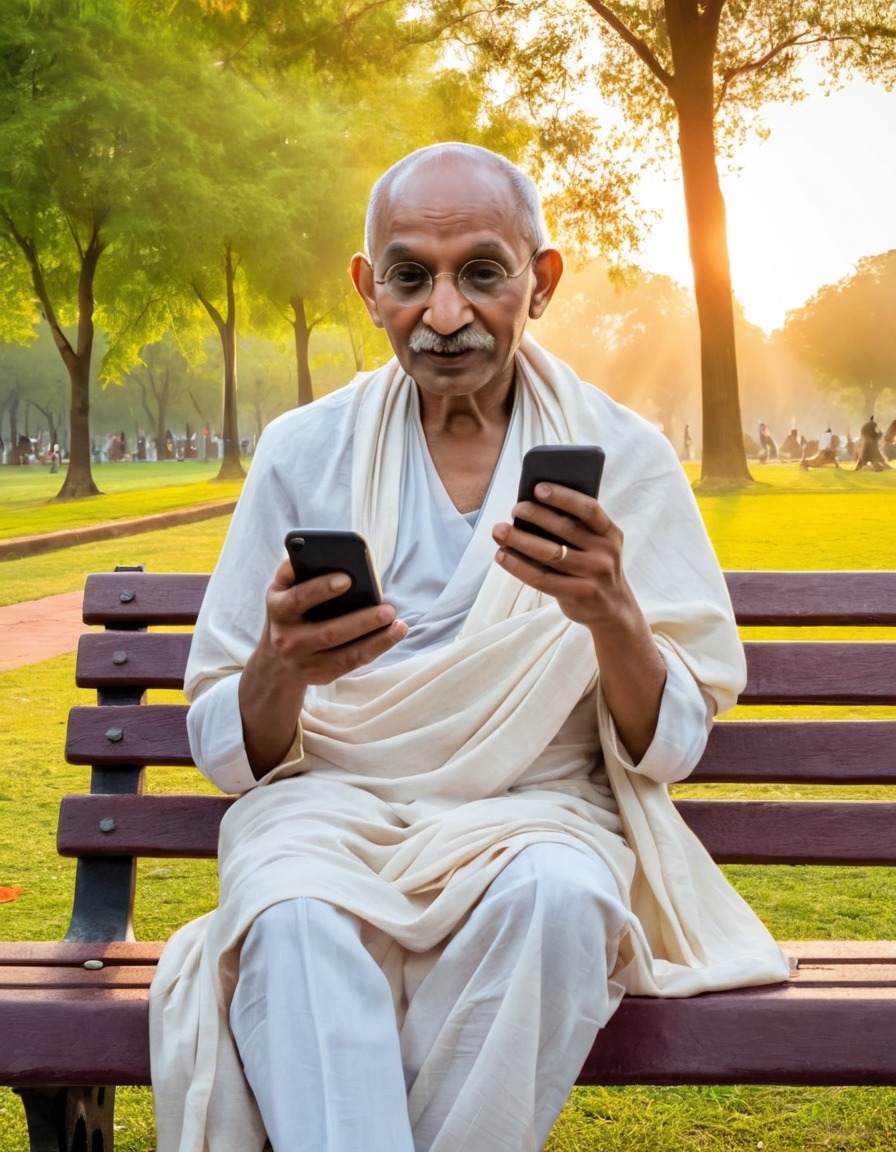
69 1119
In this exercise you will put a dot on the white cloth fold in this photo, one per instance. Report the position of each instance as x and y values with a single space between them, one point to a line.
415 782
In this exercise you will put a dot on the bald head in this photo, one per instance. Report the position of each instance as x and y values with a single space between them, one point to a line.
387 191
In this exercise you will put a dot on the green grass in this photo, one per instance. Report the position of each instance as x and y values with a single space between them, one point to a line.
185 548
791 520
129 491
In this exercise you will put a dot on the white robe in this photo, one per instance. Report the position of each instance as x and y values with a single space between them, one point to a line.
412 784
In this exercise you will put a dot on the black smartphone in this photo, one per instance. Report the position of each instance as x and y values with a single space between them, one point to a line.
318 552
578 466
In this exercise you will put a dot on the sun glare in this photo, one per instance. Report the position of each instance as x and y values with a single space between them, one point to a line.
805 205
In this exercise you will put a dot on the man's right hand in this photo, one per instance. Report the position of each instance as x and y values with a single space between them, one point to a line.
293 653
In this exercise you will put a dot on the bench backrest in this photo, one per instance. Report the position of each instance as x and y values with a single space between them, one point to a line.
122 736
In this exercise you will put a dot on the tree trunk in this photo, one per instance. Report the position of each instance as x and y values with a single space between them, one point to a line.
303 340
724 461
13 409
78 481
231 468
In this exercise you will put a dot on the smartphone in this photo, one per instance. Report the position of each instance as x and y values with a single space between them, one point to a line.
578 466
318 552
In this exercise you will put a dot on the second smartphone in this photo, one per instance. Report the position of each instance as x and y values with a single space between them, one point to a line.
577 466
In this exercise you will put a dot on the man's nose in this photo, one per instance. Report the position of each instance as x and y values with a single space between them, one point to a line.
447 309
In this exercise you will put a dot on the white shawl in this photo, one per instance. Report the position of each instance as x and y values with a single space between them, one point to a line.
414 783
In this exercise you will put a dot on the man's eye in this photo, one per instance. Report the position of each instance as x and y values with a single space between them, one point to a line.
408 276
483 274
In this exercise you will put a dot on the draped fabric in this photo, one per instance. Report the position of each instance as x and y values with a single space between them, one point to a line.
411 785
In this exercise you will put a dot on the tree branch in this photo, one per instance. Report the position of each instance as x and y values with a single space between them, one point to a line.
638 46
799 40
29 251
75 237
209 307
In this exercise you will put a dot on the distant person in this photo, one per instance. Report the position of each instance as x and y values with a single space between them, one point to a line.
792 447
768 449
827 451
686 448
870 455
890 441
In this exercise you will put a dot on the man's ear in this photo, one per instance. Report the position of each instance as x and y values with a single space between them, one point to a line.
362 278
548 270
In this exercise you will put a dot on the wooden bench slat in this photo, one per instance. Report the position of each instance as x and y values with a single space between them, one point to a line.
64 952
813 598
820 672
743 751
148 735
776 1035
82 1038
152 826
734 832
794 832
759 598
799 751
146 659
62 979
151 598
795 672
783 1034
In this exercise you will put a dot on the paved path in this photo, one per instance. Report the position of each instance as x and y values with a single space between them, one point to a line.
39 629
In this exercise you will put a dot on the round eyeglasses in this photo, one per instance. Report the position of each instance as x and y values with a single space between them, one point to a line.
479 280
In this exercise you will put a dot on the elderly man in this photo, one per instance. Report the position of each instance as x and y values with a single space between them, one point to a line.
454 850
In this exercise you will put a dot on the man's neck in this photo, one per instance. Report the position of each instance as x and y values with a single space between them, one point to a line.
465 436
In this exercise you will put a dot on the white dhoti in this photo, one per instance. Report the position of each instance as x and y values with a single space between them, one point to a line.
493 1036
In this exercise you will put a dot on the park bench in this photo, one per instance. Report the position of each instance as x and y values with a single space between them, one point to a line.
73 1015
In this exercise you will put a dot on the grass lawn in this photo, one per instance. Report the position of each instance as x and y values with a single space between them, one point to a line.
819 519
129 491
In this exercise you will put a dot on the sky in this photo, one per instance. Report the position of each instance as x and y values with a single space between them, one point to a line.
807 203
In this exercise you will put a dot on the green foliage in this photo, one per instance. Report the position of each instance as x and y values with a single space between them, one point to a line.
845 333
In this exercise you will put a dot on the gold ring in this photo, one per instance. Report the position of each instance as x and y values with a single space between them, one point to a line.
563 553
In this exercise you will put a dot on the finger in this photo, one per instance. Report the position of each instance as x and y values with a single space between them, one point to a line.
296 599
544 577
341 631
545 519
575 504
332 662
560 555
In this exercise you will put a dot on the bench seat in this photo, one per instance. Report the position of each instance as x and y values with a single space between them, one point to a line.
832 1023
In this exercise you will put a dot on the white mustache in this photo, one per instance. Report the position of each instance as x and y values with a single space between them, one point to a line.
425 339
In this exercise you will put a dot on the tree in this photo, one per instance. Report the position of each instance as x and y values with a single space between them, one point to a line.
696 72
349 67
846 334
161 382
87 107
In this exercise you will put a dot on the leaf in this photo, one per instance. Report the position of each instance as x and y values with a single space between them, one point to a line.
7 895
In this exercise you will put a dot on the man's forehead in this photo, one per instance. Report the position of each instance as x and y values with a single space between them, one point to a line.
450 195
